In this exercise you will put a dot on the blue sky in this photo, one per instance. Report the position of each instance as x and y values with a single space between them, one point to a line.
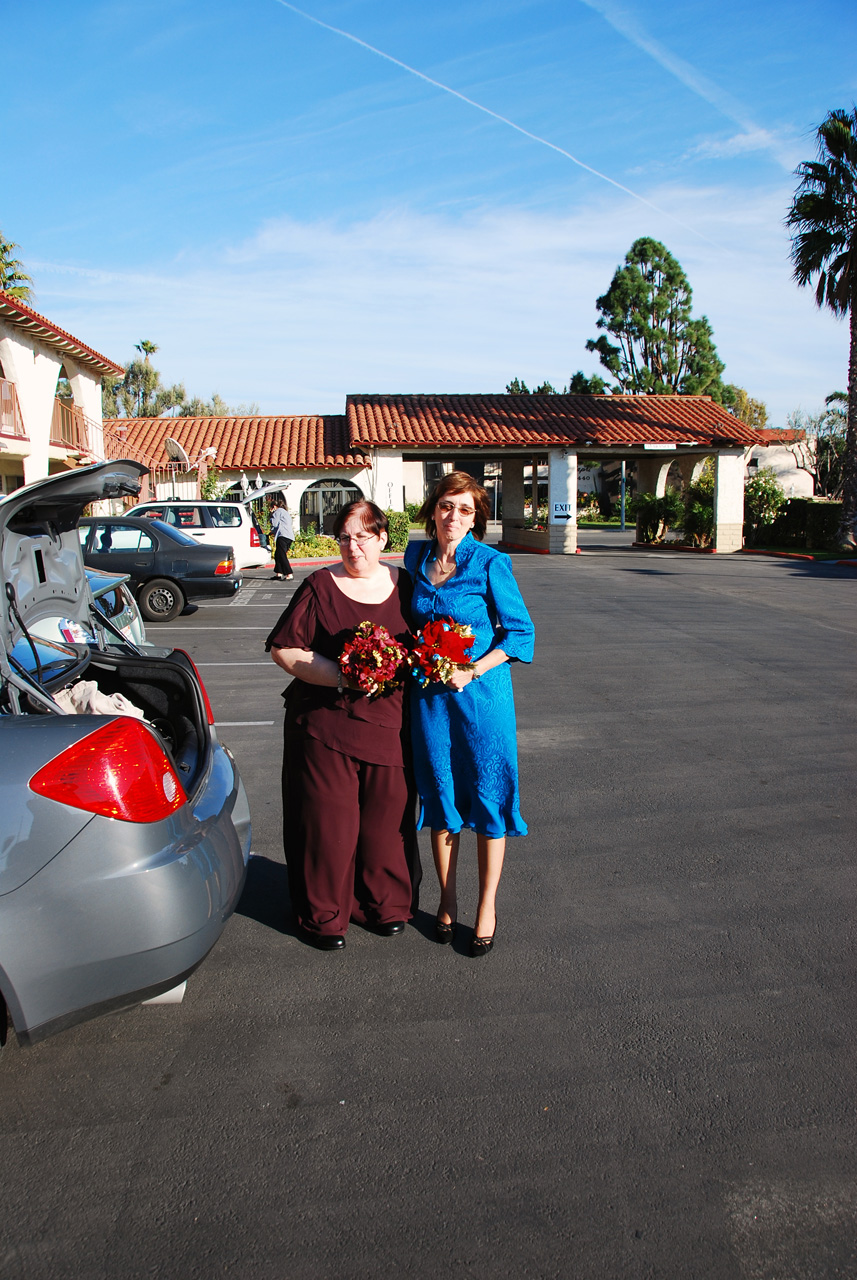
292 216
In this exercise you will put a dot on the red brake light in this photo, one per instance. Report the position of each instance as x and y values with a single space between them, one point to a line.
209 714
254 536
225 566
119 771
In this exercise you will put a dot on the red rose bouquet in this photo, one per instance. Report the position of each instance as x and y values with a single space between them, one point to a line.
442 647
373 661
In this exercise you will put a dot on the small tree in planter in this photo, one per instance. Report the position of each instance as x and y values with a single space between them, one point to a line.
655 516
699 510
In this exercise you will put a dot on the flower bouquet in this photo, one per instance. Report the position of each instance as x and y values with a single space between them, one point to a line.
442 648
373 661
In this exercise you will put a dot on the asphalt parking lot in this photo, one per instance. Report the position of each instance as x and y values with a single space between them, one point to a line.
652 1075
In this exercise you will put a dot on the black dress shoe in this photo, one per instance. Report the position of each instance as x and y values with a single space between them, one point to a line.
325 941
389 928
481 946
444 933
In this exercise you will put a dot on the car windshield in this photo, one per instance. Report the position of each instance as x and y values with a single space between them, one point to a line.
176 534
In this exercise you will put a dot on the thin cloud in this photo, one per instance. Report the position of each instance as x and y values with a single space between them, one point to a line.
534 137
627 24
741 144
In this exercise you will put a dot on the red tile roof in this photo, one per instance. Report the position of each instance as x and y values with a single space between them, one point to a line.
23 317
464 422
771 435
295 442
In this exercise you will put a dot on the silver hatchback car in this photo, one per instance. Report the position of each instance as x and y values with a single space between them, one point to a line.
126 831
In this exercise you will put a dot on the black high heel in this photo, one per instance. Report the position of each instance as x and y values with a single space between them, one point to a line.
481 946
444 933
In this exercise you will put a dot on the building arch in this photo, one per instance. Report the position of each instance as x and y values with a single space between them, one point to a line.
322 501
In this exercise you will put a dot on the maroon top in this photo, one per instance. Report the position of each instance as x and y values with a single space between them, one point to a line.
322 618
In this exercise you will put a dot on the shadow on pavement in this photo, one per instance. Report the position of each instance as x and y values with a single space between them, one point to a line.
266 896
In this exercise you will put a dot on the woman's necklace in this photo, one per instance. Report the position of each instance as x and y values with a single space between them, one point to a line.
440 573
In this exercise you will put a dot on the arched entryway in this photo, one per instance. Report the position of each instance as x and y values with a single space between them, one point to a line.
322 502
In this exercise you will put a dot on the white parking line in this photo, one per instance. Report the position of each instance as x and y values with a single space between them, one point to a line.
234 664
239 724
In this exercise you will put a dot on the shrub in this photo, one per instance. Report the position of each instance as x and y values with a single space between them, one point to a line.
822 525
541 518
698 522
400 528
309 543
412 510
806 522
789 527
656 515
763 498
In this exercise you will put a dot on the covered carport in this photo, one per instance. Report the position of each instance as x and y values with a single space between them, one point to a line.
650 432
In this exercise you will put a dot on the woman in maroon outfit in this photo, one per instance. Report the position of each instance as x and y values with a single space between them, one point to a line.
348 798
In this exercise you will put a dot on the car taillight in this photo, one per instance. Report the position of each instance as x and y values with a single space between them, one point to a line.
119 771
254 537
209 714
225 566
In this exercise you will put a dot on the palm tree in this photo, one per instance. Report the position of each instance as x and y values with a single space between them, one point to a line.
146 349
13 278
823 223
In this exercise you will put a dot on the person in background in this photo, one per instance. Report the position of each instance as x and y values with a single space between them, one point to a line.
283 529
465 745
349 804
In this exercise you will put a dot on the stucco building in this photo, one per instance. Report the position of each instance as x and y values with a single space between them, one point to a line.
41 432
387 447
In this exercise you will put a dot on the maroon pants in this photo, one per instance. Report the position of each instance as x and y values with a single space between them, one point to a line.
348 834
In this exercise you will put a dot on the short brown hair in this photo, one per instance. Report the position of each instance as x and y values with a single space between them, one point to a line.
456 482
371 517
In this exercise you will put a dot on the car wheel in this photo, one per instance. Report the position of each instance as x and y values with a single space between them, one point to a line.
160 600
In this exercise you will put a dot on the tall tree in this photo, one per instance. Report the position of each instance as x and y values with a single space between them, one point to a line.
517 387
742 405
816 441
140 393
659 349
581 385
146 348
823 223
13 278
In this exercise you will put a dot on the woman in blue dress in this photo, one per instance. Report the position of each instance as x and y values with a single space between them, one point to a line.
465 747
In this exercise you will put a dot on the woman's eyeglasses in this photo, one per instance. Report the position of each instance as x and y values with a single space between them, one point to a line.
446 507
359 539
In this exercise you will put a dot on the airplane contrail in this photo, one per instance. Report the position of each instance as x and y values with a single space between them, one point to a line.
495 116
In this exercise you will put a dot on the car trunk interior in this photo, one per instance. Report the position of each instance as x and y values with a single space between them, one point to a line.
167 696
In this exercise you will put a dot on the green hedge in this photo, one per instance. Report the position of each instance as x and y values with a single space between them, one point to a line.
822 525
310 544
812 523
400 528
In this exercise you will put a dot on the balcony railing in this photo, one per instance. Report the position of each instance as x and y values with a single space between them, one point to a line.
11 422
68 427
